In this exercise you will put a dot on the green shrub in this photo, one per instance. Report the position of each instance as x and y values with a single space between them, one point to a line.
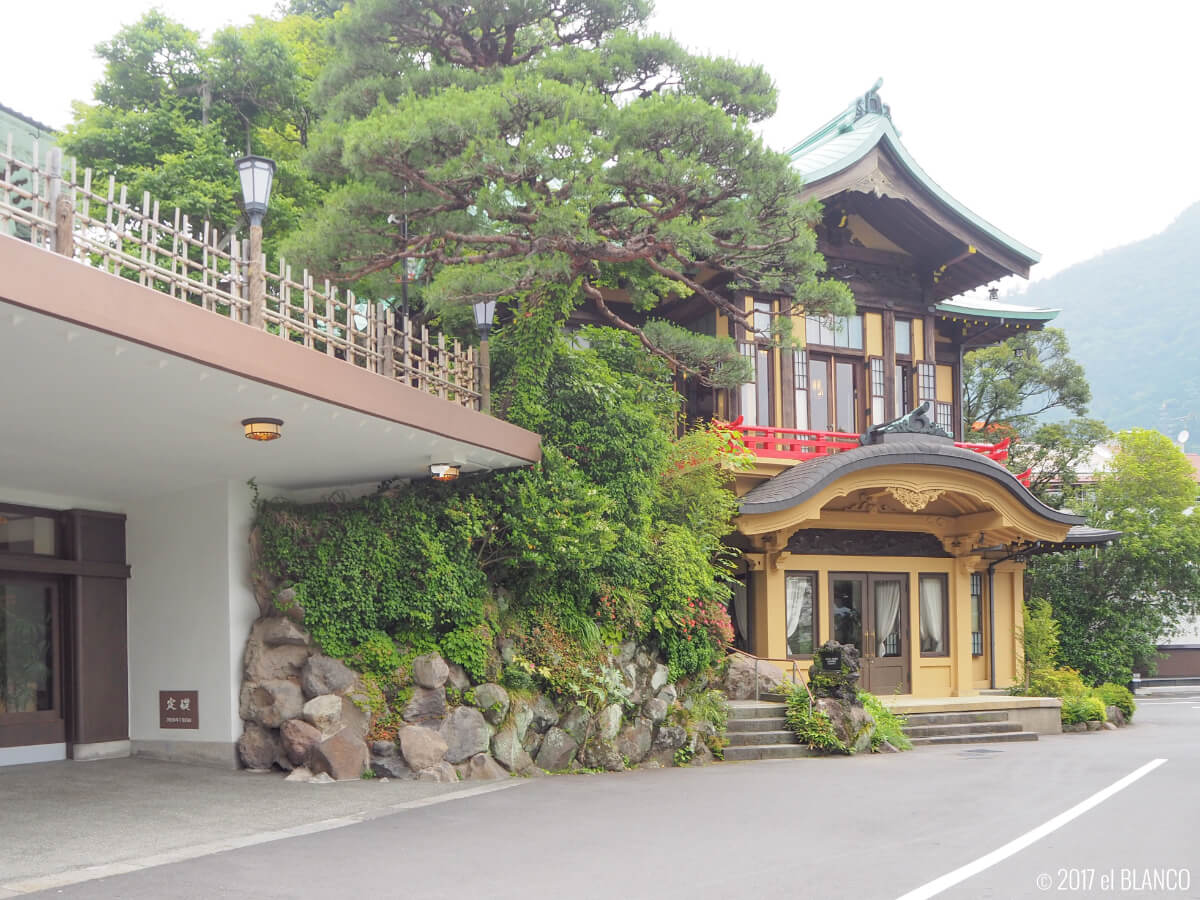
1062 683
378 657
470 647
1082 709
1039 635
1117 695
516 678
888 726
811 726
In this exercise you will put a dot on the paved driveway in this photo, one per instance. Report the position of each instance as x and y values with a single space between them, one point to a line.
870 826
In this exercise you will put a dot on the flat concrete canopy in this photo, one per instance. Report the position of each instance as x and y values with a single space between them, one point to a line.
115 391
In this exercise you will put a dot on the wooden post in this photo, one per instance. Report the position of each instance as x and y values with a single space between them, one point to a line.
60 205
485 376
258 278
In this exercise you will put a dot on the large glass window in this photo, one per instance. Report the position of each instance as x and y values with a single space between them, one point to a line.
903 337
976 614
762 377
926 383
934 615
748 393
800 386
844 405
26 646
834 331
800 590
762 318
818 389
847 609
877 405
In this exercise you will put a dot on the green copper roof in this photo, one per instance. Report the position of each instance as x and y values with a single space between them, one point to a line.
851 135
994 309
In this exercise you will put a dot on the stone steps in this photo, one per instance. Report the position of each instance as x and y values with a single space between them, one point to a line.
755 709
768 751
954 718
758 738
990 738
916 731
972 727
764 724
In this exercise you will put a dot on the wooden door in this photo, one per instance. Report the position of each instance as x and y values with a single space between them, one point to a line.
870 612
30 662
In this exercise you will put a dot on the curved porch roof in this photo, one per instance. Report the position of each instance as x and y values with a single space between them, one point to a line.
907 482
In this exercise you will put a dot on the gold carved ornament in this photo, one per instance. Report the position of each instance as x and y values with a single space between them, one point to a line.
914 501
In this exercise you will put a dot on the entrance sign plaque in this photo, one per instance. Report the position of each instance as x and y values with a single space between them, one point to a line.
178 709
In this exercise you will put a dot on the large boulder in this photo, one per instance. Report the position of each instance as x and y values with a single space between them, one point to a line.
442 773
522 716
669 737
482 767
276 631
608 722
852 724
740 677
324 712
507 750
355 714
426 705
1115 715
391 767
634 741
258 747
458 678
326 675
343 756
430 670
492 701
270 703
544 715
598 753
575 723
298 738
655 710
658 678
421 747
556 750
668 694
466 733
532 742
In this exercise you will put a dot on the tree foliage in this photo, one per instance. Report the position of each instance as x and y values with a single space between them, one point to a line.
551 144
1113 607
172 113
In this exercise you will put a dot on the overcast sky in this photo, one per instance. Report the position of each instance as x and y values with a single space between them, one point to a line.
1072 126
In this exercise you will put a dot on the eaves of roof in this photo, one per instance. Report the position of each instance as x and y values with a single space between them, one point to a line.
41 126
986 309
845 140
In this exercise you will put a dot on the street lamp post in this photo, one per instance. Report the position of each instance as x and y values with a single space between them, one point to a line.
485 311
256 173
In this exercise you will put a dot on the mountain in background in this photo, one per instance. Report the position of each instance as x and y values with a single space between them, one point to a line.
1133 318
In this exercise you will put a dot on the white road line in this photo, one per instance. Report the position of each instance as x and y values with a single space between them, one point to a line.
962 873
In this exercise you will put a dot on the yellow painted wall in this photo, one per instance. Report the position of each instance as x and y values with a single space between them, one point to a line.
955 675
873 333
945 383
918 339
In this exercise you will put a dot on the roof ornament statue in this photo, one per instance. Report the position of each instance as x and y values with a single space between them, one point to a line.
870 103
918 421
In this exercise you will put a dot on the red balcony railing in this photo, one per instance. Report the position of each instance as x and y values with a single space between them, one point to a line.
798 444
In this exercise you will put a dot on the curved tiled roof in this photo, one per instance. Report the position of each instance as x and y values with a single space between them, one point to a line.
850 136
804 480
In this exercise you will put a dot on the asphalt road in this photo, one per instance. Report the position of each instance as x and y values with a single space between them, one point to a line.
882 826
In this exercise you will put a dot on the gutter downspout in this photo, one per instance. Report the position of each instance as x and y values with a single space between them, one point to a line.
991 570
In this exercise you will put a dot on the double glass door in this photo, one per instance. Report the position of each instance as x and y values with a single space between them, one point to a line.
870 612
832 394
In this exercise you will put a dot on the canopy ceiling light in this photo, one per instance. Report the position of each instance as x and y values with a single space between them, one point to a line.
263 429
443 471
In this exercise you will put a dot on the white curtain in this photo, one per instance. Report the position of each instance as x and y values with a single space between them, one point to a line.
887 612
739 608
933 608
798 592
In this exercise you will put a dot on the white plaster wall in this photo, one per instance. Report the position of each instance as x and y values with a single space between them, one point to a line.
181 630
243 607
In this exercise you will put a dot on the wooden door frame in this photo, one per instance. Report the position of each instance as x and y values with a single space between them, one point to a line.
43 726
